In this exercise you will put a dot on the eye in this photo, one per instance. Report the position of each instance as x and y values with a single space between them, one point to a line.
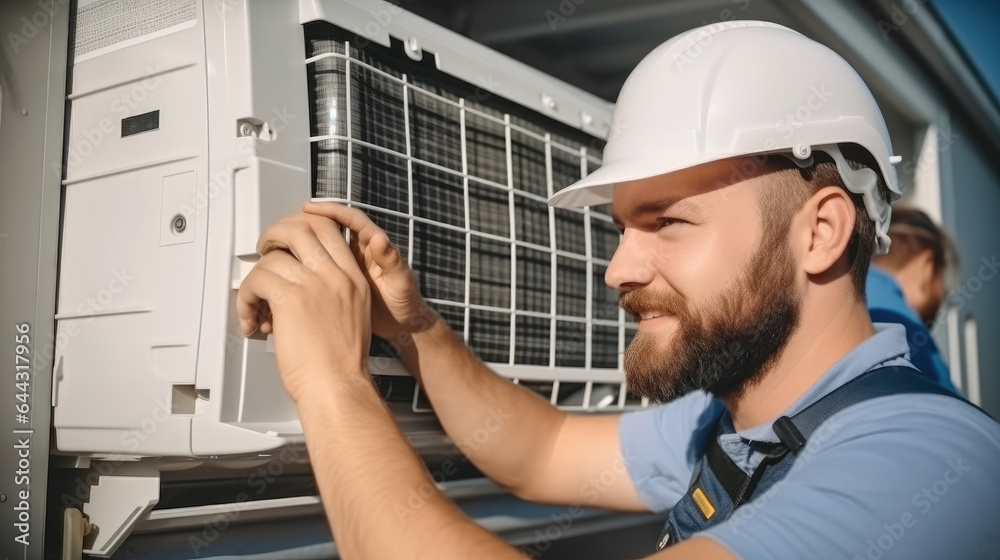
665 221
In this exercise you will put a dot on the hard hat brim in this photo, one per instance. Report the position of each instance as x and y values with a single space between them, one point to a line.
598 188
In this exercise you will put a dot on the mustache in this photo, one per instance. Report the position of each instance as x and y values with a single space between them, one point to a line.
645 300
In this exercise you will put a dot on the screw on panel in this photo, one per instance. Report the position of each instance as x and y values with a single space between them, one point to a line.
803 151
179 223
548 101
412 49
246 129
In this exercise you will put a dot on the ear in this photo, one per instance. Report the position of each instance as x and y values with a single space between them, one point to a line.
920 284
921 267
824 230
924 261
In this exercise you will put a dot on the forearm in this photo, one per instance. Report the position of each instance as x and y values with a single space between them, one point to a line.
506 430
367 474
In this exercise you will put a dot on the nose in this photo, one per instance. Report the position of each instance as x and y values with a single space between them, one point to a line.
630 266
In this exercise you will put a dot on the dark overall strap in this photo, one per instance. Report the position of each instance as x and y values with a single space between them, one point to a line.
717 469
795 432
737 483
881 382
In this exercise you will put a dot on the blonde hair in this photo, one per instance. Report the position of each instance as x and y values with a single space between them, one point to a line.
912 232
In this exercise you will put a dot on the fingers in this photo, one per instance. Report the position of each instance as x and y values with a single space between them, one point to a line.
260 286
383 252
369 235
316 242
351 218
272 279
296 237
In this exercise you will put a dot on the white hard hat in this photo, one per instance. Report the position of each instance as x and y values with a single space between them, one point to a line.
735 89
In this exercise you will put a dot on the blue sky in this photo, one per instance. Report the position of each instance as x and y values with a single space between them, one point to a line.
975 25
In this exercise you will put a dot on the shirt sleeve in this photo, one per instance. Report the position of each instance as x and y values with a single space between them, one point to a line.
661 446
908 476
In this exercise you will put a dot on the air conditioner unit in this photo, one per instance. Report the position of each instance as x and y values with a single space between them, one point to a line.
202 121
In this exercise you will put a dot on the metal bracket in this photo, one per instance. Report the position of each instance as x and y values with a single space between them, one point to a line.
123 495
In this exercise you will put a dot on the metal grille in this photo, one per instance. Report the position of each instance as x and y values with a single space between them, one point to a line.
461 187
104 23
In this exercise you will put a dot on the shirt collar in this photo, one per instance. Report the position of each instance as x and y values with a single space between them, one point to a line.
887 346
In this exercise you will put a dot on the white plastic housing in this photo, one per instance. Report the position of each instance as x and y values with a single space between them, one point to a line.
149 360
160 225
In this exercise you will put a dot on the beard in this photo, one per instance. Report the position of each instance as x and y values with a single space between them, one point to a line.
726 348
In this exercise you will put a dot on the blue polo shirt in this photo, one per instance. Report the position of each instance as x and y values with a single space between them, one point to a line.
905 476
886 304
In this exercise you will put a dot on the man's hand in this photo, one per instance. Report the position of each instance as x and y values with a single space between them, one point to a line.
308 290
398 308
310 293
539 452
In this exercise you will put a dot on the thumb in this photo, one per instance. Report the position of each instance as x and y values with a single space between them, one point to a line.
384 253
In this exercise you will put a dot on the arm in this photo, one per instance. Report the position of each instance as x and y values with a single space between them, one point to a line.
511 434
317 308
366 472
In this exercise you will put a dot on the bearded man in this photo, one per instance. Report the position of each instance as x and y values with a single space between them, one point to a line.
790 429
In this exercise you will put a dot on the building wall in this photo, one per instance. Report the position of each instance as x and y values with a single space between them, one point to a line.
971 204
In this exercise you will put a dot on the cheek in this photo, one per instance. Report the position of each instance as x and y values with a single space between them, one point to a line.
707 261
938 292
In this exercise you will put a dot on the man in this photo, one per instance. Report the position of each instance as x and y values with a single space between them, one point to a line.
907 285
747 230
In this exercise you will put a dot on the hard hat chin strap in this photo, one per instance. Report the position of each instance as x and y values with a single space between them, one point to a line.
863 181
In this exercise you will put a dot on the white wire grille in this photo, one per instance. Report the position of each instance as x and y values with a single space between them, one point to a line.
461 188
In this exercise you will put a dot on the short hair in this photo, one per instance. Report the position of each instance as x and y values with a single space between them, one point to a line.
793 185
912 231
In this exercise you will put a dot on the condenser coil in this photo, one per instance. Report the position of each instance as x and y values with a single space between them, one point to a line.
460 180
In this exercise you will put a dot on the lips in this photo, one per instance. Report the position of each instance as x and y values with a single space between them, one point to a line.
647 304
